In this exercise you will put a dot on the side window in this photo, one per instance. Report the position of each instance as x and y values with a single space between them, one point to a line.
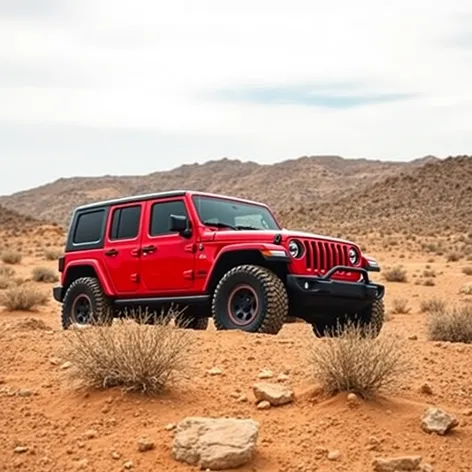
160 216
88 228
125 222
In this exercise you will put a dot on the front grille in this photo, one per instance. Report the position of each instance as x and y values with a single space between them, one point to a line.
322 255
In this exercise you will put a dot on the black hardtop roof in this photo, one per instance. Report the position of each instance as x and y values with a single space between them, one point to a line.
153 196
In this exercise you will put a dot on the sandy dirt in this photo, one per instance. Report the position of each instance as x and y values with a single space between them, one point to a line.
53 421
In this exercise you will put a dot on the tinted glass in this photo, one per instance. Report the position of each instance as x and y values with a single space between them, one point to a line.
160 216
125 223
89 226
240 215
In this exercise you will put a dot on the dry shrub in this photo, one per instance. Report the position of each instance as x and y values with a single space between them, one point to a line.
466 289
400 306
11 257
133 356
357 361
453 324
395 274
6 271
24 297
453 256
432 304
44 274
467 270
429 283
52 254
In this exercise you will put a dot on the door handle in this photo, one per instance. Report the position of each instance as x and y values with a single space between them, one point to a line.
149 249
111 252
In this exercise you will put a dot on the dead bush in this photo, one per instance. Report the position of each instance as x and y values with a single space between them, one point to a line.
44 274
467 270
400 306
453 256
6 271
52 254
25 297
466 289
5 282
134 356
11 257
432 304
453 324
395 274
357 361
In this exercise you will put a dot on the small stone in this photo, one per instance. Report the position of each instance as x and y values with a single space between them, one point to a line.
215 371
170 426
82 464
20 449
54 361
243 398
334 455
24 392
66 365
115 455
426 389
128 465
263 405
145 444
91 434
438 421
265 374
394 464
282 378
275 394
468 412
352 399
426 468
413 337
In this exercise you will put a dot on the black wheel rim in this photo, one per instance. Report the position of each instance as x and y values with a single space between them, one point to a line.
243 305
81 310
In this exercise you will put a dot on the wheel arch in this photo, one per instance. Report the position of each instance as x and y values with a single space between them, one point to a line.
86 269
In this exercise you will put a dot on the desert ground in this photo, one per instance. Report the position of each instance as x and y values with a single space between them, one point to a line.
48 424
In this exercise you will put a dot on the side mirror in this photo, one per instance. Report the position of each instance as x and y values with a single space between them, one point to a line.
180 224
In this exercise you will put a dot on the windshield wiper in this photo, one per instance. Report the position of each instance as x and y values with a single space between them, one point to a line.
220 225
247 227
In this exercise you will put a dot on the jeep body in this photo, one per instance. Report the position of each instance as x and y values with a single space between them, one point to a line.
213 256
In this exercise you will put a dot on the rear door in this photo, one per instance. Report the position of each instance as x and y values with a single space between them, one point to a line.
122 247
168 259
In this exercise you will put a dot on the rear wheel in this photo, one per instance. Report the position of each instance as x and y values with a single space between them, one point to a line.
85 303
250 298
370 320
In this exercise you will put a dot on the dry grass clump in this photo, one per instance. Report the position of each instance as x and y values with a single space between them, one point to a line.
432 304
395 274
52 254
25 297
453 256
400 306
357 361
452 324
467 270
11 257
134 356
44 274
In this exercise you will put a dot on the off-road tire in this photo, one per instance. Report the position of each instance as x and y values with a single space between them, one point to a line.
102 309
370 320
192 322
271 296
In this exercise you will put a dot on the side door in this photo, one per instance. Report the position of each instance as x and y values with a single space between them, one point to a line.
121 253
168 259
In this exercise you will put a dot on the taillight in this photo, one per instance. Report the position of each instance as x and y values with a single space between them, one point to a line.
60 264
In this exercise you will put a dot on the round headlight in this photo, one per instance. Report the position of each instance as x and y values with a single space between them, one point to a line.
353 258
295 249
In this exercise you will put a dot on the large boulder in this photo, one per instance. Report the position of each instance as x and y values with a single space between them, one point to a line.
215 443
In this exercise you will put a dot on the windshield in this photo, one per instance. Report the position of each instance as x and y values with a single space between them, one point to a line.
234 215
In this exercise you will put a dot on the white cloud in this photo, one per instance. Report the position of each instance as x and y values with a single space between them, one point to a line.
156 67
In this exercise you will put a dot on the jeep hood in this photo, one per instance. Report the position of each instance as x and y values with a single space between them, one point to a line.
268 236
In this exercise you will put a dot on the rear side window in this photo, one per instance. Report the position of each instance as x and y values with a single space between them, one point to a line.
88 228
125 223
160 216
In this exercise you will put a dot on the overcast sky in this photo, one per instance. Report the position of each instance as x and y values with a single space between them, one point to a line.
92 87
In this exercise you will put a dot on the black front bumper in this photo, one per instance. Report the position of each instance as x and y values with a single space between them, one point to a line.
57 293
324 296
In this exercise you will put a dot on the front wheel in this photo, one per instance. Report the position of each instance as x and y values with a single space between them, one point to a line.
250 298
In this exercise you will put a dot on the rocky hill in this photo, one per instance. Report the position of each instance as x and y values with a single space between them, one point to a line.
283 185
11 220
434 198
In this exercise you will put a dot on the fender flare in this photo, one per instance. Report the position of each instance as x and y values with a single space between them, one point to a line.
101 274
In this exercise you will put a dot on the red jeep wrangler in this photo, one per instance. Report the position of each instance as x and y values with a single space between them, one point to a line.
212 256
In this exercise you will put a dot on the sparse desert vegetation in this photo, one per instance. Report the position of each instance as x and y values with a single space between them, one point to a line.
44 274
452 324
24 297
11 257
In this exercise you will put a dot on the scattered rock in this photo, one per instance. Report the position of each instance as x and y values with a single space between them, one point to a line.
396 464
145 444
352 399
66 365
334 455
426 468
91 434
266 374
215 371
20 449
170 426
242 398
215 443
263 405
273 393
437 421
282 377
413 337
426 389
128 465
54 361
24 392
115 455
82 464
